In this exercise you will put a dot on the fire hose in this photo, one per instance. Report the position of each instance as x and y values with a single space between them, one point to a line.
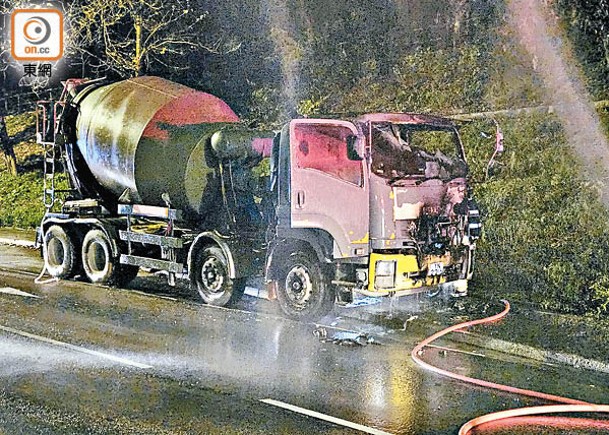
568 405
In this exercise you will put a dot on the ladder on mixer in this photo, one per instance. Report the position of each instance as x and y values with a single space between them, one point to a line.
47 138
49 175
50 147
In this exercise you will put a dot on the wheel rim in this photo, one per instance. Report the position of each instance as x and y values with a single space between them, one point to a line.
298 286
212 275
97 257
55 252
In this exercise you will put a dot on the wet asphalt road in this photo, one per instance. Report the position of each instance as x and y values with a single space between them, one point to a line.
166 364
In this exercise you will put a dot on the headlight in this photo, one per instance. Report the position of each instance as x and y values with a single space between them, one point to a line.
384 274
385 268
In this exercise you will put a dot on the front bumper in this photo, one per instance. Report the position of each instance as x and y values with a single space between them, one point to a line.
399 274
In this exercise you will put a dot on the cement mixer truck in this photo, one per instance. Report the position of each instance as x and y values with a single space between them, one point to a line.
165 177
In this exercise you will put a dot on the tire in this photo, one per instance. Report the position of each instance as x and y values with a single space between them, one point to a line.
302 292
59 252
211 278
98 263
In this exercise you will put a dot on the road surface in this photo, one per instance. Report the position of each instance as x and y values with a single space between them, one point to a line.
80 358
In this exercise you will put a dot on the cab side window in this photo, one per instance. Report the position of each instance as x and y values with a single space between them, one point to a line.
323 148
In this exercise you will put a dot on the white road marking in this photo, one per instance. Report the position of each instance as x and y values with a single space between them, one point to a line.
17 242
260 293
76 348
16 292
320 416
138 292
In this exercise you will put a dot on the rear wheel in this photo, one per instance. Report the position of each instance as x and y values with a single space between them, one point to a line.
98 263
302 292
59 253
212 280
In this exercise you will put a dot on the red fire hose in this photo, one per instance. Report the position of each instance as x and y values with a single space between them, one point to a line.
568 405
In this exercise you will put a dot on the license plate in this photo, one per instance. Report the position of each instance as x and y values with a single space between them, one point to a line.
435 269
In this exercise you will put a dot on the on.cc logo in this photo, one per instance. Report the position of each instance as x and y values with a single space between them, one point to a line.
37 30
37 34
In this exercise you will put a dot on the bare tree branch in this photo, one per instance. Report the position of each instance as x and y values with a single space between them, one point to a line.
132 33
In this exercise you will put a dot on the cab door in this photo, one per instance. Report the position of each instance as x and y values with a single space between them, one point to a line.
329 183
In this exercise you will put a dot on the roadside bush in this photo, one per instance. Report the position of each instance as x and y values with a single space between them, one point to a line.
24 123
21 200
546 234
586 25
21 196
426 80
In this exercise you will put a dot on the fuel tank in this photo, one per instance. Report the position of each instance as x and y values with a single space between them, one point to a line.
151 136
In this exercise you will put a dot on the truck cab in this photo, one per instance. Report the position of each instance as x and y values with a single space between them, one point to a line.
377 206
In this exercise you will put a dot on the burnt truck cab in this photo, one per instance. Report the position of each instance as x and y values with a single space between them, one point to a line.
423 221
378 205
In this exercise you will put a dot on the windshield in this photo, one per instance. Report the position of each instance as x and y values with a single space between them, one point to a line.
422 151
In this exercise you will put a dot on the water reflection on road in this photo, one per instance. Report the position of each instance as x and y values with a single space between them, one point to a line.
211 367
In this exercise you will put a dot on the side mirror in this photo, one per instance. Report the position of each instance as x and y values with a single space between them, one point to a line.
352 152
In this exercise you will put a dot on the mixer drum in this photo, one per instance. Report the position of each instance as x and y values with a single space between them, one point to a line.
151 136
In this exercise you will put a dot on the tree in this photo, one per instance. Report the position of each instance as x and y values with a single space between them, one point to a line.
7 146
592 18
127 36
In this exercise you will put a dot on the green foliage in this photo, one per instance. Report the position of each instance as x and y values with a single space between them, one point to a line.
512 80
266 107
21 196
586 23
546 236
424 81
17 124
311 106
262 169
441 80
21 200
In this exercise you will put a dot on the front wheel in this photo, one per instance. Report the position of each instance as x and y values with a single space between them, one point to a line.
212 280
302 292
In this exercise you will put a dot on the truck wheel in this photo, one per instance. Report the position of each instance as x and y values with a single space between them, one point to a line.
98 263
302 292
59 253
212 280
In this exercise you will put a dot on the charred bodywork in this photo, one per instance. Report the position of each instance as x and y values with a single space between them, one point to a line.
424 223
383 200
